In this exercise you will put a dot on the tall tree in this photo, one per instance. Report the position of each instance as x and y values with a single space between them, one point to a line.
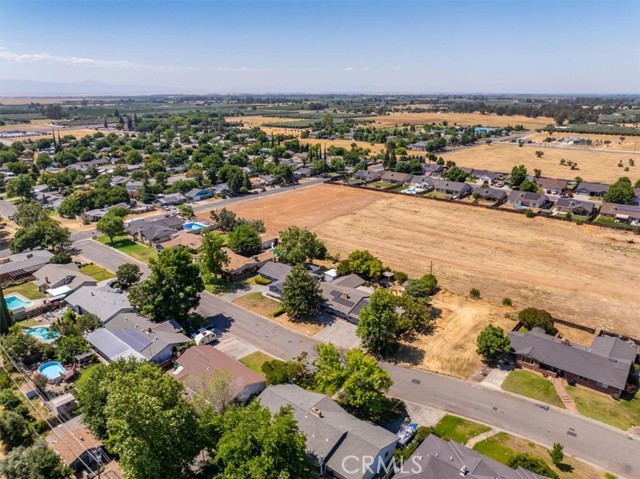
378 323
14 430
111 225
244 240
362 263
34 462
298 245
492 343
173 288
301 294
518 175
21 186
128 274
212 258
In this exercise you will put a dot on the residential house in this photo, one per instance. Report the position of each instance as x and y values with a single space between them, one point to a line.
591 189
240 266
267 180
189 240
345 297
604 366
485 176
527 199
129 335
367 176
220 189
453 188
199 194
21 265
198 364
333 435
489 194
268 241
51 200
552 186
154 231
133 187
61 279
77 447
276 273
436 458
98 214
420 146
119 180
573 206
396 177
432 169
426 183
304 172
172 199
622 213
103 301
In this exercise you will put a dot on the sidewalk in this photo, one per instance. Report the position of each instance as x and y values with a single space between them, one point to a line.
558 384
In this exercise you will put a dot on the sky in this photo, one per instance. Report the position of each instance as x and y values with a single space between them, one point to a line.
326 46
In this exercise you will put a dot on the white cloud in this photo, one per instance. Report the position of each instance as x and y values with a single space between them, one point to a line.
348 69
364 69
47 58
242 69
397 68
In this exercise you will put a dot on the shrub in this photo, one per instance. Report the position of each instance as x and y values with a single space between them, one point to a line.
533 464
506 301
278 312
530 213
533 317
61 258
474 293
262 281
401 277
9 400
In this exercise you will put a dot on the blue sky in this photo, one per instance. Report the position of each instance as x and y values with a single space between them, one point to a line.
428 46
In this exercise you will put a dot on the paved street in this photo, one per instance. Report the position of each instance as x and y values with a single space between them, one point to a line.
106 256
6 208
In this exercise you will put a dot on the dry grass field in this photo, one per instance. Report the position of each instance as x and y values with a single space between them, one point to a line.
24 100
597 166
46 127
630 143
584 274
400 119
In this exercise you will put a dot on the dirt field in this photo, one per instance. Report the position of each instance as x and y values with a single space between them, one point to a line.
399 119
584 274
630 143
22 100
46 127
598 166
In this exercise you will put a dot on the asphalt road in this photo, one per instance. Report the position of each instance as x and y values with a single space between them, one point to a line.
6 208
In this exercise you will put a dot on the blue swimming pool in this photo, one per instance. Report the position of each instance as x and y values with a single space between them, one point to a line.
51 370
43 333
193 225
15 302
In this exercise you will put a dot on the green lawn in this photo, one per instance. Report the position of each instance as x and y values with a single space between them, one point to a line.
496 448
223 286
622 414
256 360
84 375
259 303
458 429
28 290
381 185
97 272
129 247
532 385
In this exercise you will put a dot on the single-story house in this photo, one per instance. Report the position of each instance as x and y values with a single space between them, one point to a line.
485 176
171 199
604 366
436 458
98 214
77 447
552 186
367 176
345 297
220 189
119 180
268 241
154 231
304 172
49 199
423 182
333 435
103 301
189 240
453 188
432 169
396 177
61 279
420 146
241 267
489 194
197 365
527 199
267 180
622 213
133 187
591 189
20 265
131 335
276 273
573 206
199 194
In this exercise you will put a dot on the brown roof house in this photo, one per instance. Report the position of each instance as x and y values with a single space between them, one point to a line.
198 364
552 186
395 177
527 199
621 213
604 366
77 447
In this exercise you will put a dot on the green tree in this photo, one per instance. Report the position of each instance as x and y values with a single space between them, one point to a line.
186 211
5 316
621 192
255 444
492 343
150 425
518 175
557 453
330 373
537 318
173 288
280 372
414 319
298 245
111 225
128 274
20 186
455 173
69 347
362 263
212 258
533 464
527 185
225 219
301 294
474 293
244 240
29 213
34 462
72 324
422 289
378 324
14 431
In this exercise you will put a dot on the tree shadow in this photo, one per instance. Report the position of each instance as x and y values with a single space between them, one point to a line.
565 467
408 354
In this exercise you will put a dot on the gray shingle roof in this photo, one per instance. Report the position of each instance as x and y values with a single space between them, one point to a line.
277 271
102 301
27 260
607 361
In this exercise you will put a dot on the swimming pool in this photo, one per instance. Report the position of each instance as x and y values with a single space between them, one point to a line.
193 225
51 370
43 333
15 302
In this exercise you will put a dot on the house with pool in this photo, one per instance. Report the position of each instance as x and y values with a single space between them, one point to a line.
21 265
58 280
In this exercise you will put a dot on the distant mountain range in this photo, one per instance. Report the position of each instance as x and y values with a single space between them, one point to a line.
11 88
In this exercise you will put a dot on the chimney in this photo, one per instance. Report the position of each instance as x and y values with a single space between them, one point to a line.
46 279
30 255
316 412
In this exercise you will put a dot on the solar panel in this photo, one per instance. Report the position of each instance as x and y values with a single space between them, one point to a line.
133 338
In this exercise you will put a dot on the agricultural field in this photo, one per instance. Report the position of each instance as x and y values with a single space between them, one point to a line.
629 144
596 166
583 274
46 127
400 119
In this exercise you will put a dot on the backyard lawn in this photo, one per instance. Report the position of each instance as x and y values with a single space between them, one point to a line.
459 429
129 247
28 290
256 360
622 414
96 272
532 385
85 374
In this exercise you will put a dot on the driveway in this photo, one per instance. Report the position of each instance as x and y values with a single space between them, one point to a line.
340 333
